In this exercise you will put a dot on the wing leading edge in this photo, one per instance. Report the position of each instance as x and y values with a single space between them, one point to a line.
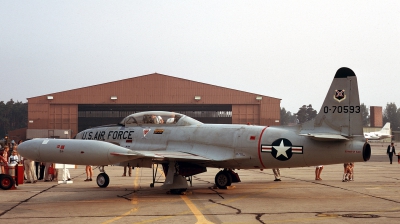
161 155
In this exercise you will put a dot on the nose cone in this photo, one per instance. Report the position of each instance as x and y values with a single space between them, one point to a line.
28 149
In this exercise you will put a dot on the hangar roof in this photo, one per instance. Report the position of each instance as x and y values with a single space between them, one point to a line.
156 88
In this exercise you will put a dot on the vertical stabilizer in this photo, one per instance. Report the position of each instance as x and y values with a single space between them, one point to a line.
386 129
340 113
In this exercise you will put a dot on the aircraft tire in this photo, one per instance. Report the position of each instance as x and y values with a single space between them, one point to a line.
102 180
223 179
6 182
151 185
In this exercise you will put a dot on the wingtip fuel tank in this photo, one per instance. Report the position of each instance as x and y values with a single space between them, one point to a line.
74 151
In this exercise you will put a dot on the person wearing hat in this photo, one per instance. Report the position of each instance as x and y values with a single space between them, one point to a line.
390 151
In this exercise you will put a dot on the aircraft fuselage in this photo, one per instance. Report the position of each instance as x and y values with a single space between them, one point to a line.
231 146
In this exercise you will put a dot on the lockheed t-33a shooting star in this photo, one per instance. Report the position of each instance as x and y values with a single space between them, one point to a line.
186 147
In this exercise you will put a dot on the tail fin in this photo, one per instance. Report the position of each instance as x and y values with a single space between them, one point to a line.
340 115
385 129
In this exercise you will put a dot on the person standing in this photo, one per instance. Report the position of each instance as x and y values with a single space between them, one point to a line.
129 172
13 159
3 163
351 171
66 176
41 170
89 173
47 176
29 171
277 174
318 170
390 151
346 167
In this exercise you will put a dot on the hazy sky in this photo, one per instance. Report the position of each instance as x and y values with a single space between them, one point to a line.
283 49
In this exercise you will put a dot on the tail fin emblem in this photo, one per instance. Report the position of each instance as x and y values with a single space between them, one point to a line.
339 95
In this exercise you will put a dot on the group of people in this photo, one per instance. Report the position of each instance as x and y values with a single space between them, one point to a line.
347 175
8 157
33 171
13 158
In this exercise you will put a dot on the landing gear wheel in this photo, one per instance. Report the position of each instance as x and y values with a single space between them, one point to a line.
102 180
223 179
151 185
6 182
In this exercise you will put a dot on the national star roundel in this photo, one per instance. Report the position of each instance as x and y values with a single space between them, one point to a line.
282 149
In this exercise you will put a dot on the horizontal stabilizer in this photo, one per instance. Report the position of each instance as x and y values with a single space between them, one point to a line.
325 137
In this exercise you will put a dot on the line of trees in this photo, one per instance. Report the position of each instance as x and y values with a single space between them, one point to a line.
392 114
13 115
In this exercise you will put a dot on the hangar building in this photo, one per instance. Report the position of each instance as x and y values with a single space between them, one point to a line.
64 114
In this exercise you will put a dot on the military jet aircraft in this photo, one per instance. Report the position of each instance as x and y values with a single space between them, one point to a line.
186 147
381 134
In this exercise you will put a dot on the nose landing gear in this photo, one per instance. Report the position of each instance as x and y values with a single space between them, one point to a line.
102 179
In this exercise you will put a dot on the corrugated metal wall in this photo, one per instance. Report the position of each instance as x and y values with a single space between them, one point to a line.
63 116
245 114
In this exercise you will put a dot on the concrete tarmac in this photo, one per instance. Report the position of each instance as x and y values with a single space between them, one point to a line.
371 198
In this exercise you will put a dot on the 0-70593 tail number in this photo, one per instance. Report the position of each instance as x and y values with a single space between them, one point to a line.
342 109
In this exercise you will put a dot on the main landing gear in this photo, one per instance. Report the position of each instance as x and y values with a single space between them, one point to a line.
225 178
102 179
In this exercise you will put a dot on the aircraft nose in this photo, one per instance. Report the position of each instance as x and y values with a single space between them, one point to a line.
28 150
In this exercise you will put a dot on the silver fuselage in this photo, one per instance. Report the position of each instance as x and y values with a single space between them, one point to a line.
231 146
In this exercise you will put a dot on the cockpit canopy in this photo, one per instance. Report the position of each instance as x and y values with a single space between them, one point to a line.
158 118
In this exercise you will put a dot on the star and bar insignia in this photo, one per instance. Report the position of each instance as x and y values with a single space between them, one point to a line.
282 149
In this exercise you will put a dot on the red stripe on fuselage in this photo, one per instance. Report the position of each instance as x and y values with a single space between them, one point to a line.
259 147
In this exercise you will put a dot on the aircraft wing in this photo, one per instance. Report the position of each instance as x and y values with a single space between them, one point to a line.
163 155
325 137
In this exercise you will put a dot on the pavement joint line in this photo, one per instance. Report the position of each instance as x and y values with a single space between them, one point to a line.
212 189
26 200
327 185
333 184
239 211
205 207
346 189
